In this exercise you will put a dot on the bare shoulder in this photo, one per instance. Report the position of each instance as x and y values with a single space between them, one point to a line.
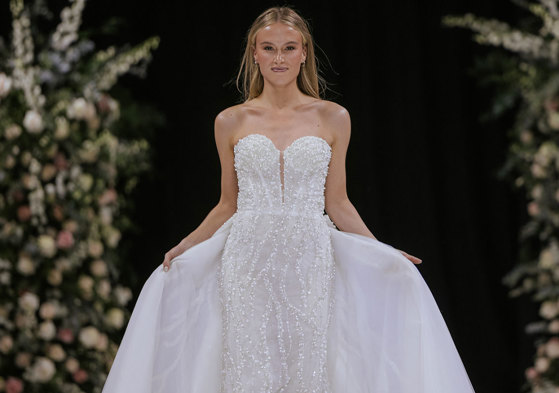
336 119
227 122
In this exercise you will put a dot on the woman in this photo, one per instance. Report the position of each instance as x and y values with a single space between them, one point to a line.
267 295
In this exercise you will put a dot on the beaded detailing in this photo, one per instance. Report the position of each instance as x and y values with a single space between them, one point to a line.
277 270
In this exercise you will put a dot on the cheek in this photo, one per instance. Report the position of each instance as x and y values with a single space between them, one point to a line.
265 54
295 55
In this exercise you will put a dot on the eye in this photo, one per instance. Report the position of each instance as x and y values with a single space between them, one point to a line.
291 47
267 47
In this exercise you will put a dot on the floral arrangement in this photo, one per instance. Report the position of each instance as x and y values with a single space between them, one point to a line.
524 70
64 178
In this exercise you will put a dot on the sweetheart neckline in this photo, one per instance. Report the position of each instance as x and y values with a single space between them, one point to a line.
287 148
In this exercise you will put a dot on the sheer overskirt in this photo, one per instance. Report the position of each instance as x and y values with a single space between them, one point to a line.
386 333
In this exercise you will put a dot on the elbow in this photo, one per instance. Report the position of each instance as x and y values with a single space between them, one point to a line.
333 206
226 206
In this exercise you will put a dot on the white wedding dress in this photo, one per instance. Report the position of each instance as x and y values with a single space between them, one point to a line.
280 300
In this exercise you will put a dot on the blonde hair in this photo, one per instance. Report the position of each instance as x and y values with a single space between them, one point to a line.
249 76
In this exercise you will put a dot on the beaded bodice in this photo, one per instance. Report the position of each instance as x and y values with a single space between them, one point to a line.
290 180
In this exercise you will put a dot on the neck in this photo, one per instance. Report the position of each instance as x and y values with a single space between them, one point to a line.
281 97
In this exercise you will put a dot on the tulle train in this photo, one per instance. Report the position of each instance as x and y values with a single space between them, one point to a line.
387 334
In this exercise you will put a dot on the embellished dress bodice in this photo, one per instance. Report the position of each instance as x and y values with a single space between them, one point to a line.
277 269
291 180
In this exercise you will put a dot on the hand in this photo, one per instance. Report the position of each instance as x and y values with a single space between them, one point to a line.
167 260
415 260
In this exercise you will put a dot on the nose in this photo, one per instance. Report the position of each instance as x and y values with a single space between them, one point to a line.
279 56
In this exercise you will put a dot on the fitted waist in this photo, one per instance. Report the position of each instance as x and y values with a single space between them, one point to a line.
281 211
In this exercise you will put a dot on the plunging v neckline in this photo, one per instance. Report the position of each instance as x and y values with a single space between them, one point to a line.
281 153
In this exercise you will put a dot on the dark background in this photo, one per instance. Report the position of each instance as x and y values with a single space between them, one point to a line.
421 167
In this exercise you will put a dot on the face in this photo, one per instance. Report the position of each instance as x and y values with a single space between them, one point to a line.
279 53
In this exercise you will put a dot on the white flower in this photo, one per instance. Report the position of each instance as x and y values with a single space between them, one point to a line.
29 301
542 364
89 151
25 265
538 170
48 172
552 347
102 343
537 191
549 256
48 310
553 120
553 327
34 166
50 189
23 359
5 278
56 352
47 330
25 158
113 236
115 318
98 268
72 365
85 283
104 288
33 122
106 215
12 131
5 84
29 181
85 181
123 295
81 109
42 370
548 309
95 248
89 336
54 277
62 128
64 264
6 344
47 245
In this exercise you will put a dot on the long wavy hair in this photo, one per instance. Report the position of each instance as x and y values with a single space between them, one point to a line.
250 82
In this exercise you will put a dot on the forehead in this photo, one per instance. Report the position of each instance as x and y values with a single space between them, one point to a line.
278 33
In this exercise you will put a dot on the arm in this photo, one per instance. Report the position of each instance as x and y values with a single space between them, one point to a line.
227 204
337 204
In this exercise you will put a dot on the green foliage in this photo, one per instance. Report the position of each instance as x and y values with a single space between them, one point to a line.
73 146
523 71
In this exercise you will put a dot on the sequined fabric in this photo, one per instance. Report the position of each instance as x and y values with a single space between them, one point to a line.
277 270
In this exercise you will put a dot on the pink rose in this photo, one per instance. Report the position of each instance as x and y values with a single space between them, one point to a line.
14 385
103 103
551 105
18 195
65 335
80 376
531 373
60 161
109 196
23 213
65 239
57 212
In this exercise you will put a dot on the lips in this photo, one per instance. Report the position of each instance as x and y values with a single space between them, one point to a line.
279 69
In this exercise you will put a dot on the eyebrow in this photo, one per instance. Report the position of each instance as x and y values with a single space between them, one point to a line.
268 42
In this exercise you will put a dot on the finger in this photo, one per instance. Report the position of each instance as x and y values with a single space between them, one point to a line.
415 260
167 262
